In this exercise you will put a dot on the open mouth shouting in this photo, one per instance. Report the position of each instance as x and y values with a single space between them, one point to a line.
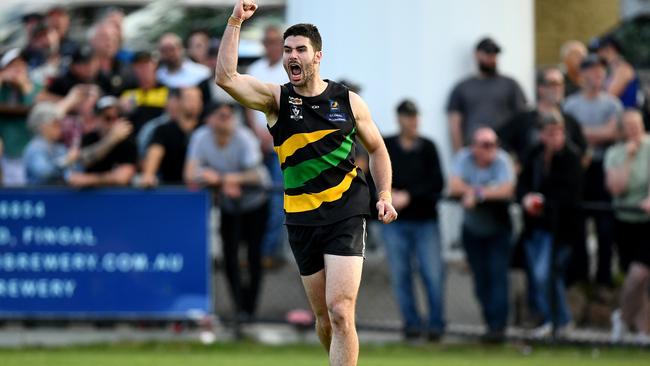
295 71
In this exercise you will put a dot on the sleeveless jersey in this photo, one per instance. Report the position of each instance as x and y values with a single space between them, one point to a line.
314 138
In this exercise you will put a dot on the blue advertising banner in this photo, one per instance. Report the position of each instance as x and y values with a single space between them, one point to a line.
107 253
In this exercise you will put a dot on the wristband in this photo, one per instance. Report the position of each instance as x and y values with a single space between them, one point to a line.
233 21
385 195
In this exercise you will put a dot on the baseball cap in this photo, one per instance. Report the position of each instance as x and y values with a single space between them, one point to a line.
407 108
82 55
41 114
488 45
32 16
10 56
592 60
142 56
106 102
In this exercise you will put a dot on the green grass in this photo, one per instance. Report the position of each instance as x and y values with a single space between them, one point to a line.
249 354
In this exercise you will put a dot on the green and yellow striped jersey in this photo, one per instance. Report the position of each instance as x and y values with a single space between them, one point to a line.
314 138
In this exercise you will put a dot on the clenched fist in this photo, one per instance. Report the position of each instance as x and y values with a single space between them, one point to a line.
244 9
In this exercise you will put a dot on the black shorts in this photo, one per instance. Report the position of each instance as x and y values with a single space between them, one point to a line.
632 242
310 243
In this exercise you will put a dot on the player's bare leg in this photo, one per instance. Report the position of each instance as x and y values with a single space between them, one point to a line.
315 290
343 276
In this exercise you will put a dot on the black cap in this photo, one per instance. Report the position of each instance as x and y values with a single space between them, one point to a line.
488 45
407 108
31 17
82 54
605 41
142 56
592 60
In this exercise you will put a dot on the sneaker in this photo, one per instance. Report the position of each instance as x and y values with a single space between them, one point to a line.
564 331
619 329
543 331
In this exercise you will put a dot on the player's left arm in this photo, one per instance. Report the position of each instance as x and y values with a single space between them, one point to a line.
380 166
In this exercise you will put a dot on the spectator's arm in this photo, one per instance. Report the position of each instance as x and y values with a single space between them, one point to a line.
617 177
151 164
47 96
251 176
118 176
458 187
603 134
499 192
623 75
97 151
456 129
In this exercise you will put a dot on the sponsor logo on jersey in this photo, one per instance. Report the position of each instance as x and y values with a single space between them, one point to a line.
295 101
296 113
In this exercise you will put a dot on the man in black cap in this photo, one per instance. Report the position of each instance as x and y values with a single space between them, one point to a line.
83 70
146 100
487 99
598 114
415 238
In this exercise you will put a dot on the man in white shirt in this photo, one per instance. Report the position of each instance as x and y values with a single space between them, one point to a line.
175 70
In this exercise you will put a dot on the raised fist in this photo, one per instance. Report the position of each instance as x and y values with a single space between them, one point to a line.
244 9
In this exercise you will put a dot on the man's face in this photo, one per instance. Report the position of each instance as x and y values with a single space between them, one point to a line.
145 71
60 21
633 126
273 45
574 57
408 125
191 103
171 53
594 77
106 40
552 91
487 61
52 131
86 71
108 116
198 46
300 60
553 136
222 120
484 147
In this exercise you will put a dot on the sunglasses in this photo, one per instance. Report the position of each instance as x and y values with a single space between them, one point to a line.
485 144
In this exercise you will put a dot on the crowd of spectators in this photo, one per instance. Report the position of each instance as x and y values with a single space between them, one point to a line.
91 113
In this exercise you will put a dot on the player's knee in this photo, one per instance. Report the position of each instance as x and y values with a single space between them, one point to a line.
341 313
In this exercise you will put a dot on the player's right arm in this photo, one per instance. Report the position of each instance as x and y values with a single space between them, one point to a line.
246 89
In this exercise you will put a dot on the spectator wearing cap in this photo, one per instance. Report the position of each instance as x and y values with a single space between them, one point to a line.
17 95
117 166
486 99
83 69
42 44
414 241
550 187
598 113
30 20
225 155
571 54
622 81
58 19
148 98
113 76
483 178
165 157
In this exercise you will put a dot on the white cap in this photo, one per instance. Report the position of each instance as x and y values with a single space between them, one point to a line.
9 57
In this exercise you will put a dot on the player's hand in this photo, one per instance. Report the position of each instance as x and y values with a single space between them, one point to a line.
387 212
244 9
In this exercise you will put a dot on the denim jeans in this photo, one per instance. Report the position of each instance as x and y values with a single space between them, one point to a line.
548 277
489 258
410 242
274 233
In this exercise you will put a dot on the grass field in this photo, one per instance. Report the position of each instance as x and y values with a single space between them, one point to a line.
249 354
